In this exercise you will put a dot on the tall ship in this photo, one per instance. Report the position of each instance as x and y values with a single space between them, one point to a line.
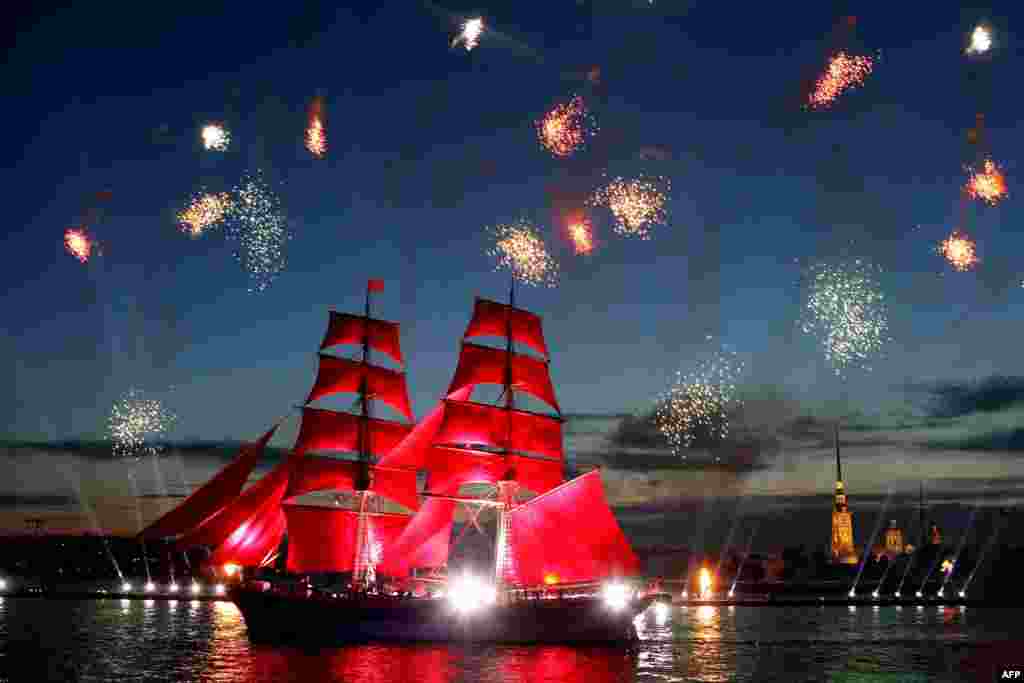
374 565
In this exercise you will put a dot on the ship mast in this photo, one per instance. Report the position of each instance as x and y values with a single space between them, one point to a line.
507 485
364 571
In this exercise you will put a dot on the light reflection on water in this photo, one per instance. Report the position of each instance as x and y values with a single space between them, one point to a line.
168 641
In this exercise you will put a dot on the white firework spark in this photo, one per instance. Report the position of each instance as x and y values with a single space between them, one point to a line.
695 409
216 137
470 34
519 249
134 421
261 227
844 308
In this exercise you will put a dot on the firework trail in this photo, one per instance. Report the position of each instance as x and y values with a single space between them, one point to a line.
695 409
216 137
845 309
470 34
519 249
566 127
988 185
637 204
959 250
844 72
581 234
261 227
78 243
135 420
316 130
981 41
204 211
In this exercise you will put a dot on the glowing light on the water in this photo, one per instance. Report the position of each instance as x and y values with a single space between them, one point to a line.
216 137
989 185
472 29
705 582
78 243
960 251
204 211
566 127
134 420
259 223
843 73
844 307
637 205
981 40
519 249
695 409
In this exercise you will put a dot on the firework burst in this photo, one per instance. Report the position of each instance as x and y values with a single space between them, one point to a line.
316 131
565 128
203 212
581 234
981 41
134 421
844 72
216 137
845 309
695 409
989 185
960 250
519 249
637 204
259 223
78 243
470 34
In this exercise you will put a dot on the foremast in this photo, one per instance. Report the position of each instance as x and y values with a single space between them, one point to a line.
504 571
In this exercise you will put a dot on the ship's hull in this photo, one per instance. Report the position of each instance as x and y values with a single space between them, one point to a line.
275 617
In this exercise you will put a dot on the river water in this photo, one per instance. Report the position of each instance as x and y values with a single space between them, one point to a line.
139 640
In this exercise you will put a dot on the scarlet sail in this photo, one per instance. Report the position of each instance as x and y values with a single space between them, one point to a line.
341 375
324 539
516 430
451 468
254 541
380 335
493 319
330 430
598 548
314 473
211 497
484 365
424 542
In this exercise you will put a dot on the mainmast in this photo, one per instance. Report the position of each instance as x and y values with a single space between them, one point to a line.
506 485
364 570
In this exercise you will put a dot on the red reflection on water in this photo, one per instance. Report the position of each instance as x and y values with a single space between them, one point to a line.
565 665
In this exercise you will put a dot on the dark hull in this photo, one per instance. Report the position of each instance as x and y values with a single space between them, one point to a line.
275 617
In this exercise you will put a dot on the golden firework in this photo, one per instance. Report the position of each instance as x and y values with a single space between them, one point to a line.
636 204
959 250
843 73
204 212
216 137
566 127
78 243
519 249
988 185
581 235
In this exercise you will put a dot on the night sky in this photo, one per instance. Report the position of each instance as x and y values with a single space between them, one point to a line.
430 145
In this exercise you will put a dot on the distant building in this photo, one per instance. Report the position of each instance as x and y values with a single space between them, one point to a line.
843 550
893 545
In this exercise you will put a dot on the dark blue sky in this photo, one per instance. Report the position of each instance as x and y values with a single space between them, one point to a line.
430 145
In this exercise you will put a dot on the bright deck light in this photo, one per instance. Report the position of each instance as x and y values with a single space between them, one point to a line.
468 594
230 569
219 589
616 595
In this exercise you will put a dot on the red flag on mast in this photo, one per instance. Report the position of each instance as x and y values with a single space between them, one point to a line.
375 285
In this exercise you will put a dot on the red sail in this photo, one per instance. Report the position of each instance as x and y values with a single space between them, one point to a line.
381 335
491 319
341 375
316 473
412 452
330 430
452 468
484 365
254 541
597 549
476 423
324 540
423 543
212 496
267 492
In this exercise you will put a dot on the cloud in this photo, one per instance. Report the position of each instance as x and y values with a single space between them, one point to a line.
955 399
